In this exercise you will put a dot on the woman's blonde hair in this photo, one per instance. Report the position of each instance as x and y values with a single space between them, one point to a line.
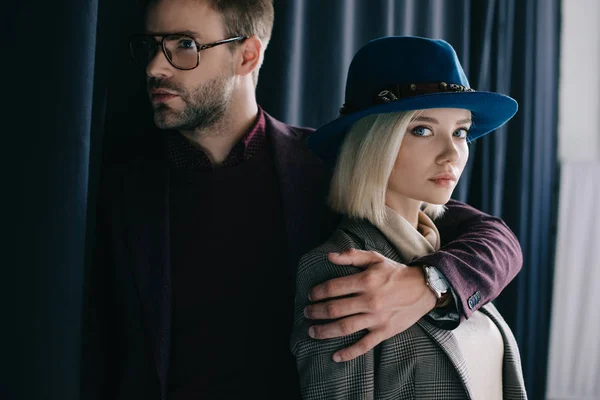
364 166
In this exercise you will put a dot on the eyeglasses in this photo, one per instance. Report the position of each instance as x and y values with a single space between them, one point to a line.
182 51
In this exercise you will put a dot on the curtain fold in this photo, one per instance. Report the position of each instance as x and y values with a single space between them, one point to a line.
49 56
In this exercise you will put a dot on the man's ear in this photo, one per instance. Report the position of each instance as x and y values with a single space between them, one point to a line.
251 53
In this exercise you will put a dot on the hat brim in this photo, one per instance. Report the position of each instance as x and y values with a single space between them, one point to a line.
490 111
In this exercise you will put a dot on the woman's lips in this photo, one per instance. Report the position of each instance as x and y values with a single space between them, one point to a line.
444 182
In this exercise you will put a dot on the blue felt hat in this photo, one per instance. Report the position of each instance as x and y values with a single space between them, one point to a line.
402 73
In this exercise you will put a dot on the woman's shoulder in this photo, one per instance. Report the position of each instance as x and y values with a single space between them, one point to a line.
314 266
350 234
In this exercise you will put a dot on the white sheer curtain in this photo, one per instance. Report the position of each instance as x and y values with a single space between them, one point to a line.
574 359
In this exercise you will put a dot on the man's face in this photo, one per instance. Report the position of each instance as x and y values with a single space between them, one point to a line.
197 98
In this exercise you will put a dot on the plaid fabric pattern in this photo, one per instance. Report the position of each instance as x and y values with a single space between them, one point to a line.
423 362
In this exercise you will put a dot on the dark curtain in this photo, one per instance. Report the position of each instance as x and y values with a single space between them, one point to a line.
74 95
48 58
510 46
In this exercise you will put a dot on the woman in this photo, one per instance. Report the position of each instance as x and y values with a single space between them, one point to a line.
399 148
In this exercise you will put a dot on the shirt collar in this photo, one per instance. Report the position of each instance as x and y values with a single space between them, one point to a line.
183 154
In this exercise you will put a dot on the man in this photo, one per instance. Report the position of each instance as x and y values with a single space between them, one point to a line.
200 229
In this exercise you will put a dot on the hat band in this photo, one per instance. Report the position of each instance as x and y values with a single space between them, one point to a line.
397 92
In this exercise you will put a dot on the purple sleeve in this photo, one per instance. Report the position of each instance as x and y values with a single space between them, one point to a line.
479 255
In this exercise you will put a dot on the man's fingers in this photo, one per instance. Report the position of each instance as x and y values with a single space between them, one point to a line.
359 348
337 287
338 308
357 258
343 327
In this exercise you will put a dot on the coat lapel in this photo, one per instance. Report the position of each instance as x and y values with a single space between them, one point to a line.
449 345
303 180
513 384
148 229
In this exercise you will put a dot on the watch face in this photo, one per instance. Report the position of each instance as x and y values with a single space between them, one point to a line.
439 285
436 282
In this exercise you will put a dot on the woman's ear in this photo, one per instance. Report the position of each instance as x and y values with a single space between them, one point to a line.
251 56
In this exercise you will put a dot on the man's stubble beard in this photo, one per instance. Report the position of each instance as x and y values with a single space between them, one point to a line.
204 107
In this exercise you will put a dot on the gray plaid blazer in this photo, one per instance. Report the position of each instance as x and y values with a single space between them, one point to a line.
423 362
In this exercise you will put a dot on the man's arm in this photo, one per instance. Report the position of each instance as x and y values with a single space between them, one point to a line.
479 256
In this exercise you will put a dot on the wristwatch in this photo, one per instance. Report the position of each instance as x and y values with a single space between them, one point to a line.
437 283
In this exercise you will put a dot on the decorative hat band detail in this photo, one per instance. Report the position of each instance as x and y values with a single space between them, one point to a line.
397 92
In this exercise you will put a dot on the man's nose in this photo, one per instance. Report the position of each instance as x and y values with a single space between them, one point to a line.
159 67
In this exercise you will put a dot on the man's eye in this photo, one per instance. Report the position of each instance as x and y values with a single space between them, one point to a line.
187 44
422 131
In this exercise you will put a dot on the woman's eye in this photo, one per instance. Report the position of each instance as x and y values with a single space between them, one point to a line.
422 131
461 133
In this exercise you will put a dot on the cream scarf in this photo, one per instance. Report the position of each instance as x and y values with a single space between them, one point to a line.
410 243
479 339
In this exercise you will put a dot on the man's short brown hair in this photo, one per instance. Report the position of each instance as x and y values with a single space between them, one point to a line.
246 17
242 18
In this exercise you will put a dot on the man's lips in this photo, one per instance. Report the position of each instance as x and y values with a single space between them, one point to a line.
161 96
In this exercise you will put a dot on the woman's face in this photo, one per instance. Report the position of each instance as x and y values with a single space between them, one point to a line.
432 156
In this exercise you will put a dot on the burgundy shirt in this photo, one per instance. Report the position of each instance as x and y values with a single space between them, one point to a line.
183 154
230 308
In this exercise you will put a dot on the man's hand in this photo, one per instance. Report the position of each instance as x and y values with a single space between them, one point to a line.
386 299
